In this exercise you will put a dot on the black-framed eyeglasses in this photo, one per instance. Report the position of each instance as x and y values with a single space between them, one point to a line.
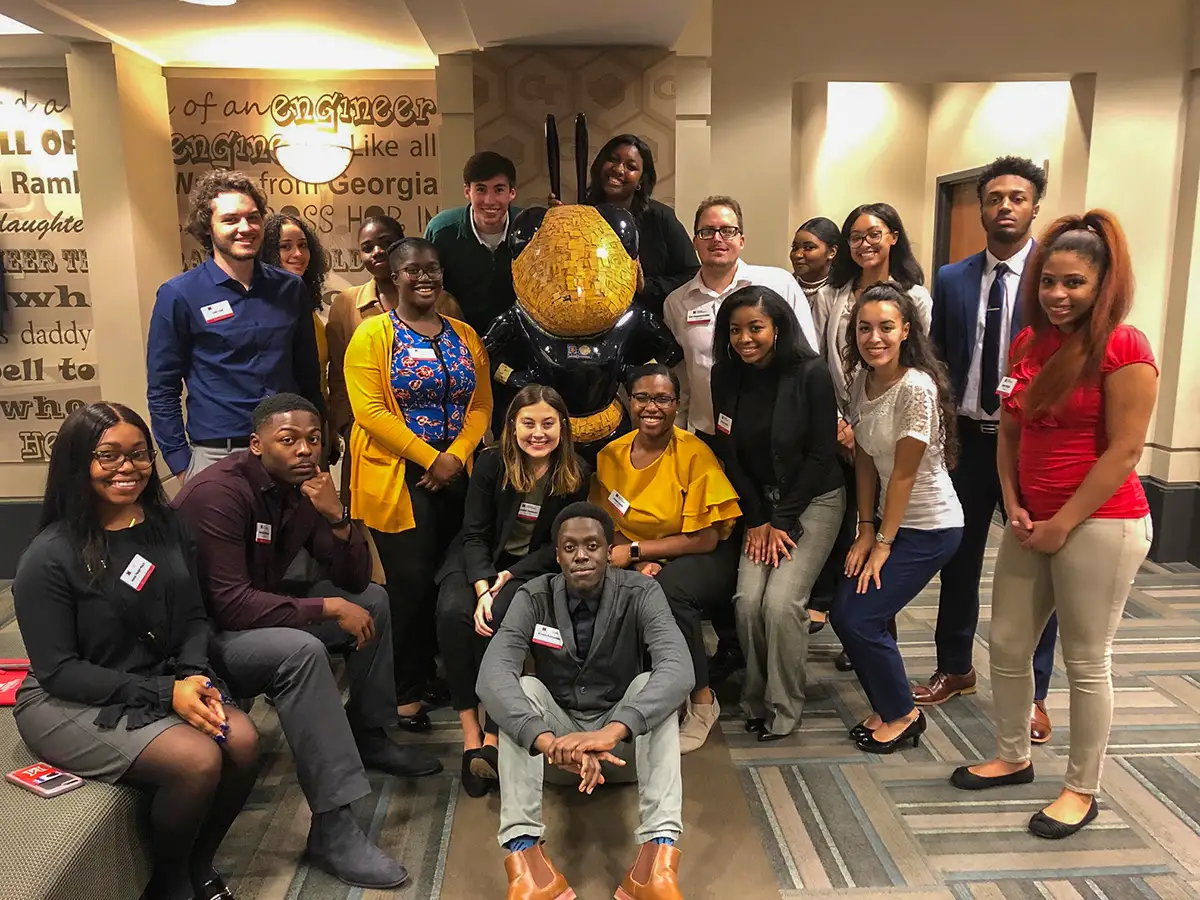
662 401
726 231
433 270
874 237
111 460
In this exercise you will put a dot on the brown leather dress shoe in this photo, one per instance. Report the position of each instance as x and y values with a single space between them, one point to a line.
531 876
941 687
1039 723
654 875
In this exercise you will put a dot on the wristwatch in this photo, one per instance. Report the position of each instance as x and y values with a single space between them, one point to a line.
880 539
635 551
343 521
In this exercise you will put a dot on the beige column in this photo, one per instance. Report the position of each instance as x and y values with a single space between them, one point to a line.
126 179
693 106
456 134
1144 166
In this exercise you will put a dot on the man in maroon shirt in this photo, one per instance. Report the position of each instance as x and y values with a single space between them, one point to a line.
252 513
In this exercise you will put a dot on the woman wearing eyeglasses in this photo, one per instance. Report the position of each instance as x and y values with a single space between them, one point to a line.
873 248
111 615
674 511
420 391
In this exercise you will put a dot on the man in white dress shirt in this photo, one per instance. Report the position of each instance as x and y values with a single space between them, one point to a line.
976 314
690 311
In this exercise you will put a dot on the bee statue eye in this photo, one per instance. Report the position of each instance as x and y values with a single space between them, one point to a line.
524 227
623 223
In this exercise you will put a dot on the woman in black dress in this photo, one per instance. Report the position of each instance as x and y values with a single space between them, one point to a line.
120 688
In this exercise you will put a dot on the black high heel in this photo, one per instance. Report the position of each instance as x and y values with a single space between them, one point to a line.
860 731
418 722
756 726
912 733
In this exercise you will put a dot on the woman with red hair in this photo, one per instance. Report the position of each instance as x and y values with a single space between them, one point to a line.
1076 408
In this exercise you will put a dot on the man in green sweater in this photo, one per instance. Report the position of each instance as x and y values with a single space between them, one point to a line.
471 240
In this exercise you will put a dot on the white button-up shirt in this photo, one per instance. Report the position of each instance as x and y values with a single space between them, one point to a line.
1012 280
690 311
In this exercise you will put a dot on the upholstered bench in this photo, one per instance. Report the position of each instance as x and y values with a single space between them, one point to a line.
84 844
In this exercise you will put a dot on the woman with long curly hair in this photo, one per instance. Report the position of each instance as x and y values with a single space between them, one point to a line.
292 244
903 417
1075 412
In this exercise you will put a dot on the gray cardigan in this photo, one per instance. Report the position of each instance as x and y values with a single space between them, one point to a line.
633 616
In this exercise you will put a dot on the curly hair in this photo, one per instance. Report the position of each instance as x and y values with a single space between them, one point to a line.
1013 165
317 269
207 188
916 352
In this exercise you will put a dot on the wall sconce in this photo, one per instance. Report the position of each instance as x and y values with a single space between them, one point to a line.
313 157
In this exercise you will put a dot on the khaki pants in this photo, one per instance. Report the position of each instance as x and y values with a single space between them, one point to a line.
1087 582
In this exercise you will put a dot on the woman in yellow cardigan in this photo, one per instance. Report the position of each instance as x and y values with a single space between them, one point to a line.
420 391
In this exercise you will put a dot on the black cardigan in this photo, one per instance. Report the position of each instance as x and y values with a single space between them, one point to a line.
667 255
804 443
491 512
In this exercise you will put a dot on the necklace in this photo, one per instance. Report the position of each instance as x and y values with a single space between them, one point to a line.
811 287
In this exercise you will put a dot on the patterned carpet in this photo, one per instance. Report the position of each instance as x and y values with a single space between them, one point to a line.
810 816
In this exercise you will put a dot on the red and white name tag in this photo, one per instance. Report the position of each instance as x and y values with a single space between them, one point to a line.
262 532
423 353
1006 386
724 423
528 512
217 312
619 502
702 315
547 637
137 573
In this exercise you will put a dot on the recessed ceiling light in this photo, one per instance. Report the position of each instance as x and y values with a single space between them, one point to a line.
211 2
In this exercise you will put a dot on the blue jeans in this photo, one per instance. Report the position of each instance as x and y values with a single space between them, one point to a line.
861 620
1043 659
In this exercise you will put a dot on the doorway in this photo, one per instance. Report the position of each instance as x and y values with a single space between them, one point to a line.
957 231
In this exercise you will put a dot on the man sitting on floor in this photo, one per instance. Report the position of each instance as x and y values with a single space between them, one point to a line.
588 630
251 513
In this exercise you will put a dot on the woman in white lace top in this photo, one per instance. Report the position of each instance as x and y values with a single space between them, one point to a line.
903 419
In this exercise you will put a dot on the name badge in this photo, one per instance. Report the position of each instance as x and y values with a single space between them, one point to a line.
217 312
425 353
262 532
702 315
1006 386
137 573
621 504
528 512
724 423
547 637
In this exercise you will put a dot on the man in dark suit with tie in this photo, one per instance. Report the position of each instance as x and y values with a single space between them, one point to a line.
976 314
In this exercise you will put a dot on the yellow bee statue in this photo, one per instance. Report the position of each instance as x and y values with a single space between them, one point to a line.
575 324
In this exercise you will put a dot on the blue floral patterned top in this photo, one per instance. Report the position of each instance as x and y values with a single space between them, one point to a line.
433 380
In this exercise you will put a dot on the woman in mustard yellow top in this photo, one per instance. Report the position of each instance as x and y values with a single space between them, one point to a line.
674 511
419 388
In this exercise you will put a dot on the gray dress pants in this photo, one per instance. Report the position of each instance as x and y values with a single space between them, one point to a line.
653 762
291 666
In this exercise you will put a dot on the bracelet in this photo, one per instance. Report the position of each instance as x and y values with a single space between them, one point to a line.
866 521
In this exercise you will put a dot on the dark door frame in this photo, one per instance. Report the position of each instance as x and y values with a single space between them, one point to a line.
944 200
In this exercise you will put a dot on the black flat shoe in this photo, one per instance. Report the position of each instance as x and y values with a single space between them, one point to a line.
475 785
966 780
487 766
814 627
435 693
842 663
1041 825
756 726
911 734
214 889
765 736
418 722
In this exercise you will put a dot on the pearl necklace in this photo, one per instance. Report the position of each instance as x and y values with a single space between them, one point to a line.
811 287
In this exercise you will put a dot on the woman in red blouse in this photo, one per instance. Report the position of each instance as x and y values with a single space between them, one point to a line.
1076 408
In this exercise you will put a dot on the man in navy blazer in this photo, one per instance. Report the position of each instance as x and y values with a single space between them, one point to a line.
976 314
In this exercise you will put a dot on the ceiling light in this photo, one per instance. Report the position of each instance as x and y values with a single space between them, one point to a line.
310 156
210 2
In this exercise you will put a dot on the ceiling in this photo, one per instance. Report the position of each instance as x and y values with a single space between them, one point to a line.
365 34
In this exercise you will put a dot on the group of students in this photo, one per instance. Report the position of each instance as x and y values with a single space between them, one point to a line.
803 451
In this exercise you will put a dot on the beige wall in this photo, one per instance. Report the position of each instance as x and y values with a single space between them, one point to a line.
855 143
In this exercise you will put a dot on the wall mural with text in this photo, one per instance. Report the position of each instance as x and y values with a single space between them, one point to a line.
391 126
47 358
